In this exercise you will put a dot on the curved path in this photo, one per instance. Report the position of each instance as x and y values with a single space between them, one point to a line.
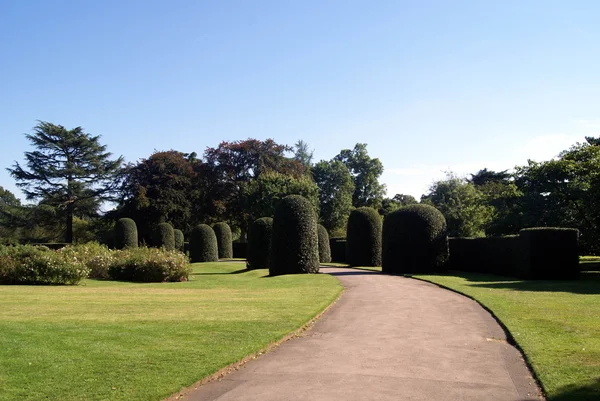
387 338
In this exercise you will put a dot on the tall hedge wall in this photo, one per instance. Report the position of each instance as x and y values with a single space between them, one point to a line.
203 244
414 240
126 234
295 243
549 253
337 245
324 249
259 243
490 255
224 240
363 238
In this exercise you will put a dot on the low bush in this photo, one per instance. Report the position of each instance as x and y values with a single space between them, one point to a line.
25 264
549 253
203 244
364 238
224 240
164 236
179 240
324 249
259 243
125 233
149 265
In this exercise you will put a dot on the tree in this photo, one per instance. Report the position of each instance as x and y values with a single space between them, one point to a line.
68 169
303 155
365 172
399 200
335 193
461 204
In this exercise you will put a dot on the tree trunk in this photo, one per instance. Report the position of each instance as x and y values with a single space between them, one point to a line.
69 217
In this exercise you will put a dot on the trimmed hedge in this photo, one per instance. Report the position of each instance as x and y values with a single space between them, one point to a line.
324 248
203 244
549 253
337 247
259 243
224 240
126 234
414 240
491 255
240 250
164 237
363 236
179 240
295 243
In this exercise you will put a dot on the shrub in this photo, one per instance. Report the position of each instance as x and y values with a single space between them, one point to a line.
414 240
259 243
549 253
179 240
324 249
96 257
240 250
338 249
27 264
294 244
126 234
490 255
164 236
203 244
363 246
224 240
149 265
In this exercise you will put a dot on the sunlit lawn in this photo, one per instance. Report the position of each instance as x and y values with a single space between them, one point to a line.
556 323
124 341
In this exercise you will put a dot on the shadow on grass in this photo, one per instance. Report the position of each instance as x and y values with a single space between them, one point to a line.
589 283
355 273
579 393
218 274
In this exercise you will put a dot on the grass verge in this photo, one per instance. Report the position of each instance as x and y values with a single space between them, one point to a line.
556 324
125 341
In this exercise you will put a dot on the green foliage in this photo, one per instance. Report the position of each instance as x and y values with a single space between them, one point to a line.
126 235
259 243
303 154
336 187
414 240
388 205
203 244
26 264
262 194
295 244
549 253
364 238
164 236
338 249
69 170
224 240
462 205
324 249
179 240
489 255
149 265
365 172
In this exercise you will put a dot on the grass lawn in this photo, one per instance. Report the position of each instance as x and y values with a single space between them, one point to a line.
556 323
124 341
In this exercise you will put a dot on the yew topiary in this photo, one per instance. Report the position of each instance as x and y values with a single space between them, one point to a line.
295 244
363 238
324 249
203 244
179 240
224 240
164 237
259 243
126 234
415 240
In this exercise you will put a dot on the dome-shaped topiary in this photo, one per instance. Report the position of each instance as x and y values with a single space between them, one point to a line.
203 244
415 240
179 239
324 248
164 237
363 238
259 243
224 240
294 246
126 234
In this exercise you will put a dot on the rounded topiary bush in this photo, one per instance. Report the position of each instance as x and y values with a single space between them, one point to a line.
415 240
224 240
294 245
126 234
203 244
363 238
324 248
179 239
164 236
259 243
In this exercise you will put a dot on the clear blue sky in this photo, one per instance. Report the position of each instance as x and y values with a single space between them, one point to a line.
429 85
